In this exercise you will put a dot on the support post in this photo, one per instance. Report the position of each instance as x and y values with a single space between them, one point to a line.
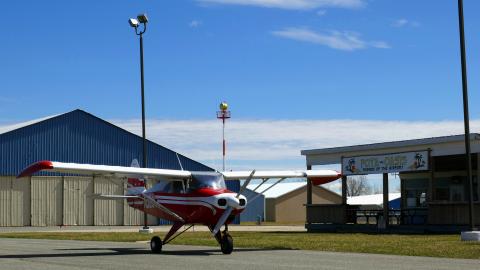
309 188
430 196
466 117
385 199
478 177
309 196
344 190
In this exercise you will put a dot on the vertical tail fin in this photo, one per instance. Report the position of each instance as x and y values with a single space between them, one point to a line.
135 185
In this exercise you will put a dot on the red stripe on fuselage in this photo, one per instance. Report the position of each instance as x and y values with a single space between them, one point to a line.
191 213
202 192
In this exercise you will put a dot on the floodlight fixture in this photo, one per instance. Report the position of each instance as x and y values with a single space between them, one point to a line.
133 22
142 18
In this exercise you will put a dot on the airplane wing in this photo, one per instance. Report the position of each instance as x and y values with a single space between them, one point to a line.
102 170
317 176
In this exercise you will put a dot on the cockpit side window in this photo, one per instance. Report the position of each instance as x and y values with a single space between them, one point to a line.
169 187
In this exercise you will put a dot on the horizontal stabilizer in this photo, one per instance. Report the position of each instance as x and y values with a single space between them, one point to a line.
113 197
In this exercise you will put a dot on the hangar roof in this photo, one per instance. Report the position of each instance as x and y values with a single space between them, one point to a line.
81 137
12 127
278 190
282 188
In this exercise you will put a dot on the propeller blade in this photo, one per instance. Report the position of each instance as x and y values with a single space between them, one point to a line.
245 184
222 220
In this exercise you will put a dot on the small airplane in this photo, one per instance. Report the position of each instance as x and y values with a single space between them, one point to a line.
183 197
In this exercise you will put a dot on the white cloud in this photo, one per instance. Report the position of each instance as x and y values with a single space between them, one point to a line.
291 4
276 144
321 12
347 41
404 22
195 24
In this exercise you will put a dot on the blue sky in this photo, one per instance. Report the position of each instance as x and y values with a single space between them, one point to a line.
297 74
61 55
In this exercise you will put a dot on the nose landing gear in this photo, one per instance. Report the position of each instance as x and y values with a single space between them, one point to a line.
226 243
156 244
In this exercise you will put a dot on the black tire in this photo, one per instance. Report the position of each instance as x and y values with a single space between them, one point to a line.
156 244
226 244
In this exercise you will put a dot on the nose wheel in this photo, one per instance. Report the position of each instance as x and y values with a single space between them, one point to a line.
156 244
226 243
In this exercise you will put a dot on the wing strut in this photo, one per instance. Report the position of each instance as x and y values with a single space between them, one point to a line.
263 192
163 208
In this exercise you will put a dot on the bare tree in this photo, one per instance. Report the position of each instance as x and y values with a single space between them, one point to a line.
357 185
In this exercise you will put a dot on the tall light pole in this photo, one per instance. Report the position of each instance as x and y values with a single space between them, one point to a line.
466 118
135 23
223 114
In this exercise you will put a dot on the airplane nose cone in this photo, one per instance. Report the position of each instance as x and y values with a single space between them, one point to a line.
237 203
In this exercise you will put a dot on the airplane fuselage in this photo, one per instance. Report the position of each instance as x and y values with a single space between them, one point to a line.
200 200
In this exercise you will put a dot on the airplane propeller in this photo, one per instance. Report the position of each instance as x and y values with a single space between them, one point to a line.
223 218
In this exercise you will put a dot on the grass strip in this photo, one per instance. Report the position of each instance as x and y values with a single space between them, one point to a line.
443 246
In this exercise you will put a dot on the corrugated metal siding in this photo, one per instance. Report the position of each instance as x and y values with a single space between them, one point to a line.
14 201
254 208
20 202
80 137
47 200
131 216
5 201
78 201
108 212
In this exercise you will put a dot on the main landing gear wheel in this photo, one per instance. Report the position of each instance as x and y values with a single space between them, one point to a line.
226 243
156 244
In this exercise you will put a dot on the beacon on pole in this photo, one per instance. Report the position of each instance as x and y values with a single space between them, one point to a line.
223 114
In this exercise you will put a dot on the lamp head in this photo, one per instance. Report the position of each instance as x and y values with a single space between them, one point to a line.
133 22
142 18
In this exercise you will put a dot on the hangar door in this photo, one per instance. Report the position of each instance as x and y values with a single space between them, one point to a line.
47 200
14 201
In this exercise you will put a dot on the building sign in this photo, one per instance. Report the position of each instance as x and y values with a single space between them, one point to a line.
390 163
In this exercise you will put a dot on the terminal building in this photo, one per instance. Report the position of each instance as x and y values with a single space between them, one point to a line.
433 184
78 137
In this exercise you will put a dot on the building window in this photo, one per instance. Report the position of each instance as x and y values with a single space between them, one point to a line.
416 198
454 189
415 192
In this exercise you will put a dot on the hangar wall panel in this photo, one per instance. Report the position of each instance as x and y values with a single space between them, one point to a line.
47 200
255 208
5 201
78 203
20 209
131 216
108 212
14 201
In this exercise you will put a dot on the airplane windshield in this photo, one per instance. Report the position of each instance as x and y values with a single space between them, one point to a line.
207 180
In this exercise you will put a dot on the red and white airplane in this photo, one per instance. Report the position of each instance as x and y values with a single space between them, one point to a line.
183 197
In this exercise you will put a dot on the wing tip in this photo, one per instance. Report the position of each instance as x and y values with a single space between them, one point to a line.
36 167
325 179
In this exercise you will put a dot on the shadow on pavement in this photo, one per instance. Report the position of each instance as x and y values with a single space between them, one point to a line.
87 252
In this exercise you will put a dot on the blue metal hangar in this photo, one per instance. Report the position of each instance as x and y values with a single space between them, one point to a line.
78 137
